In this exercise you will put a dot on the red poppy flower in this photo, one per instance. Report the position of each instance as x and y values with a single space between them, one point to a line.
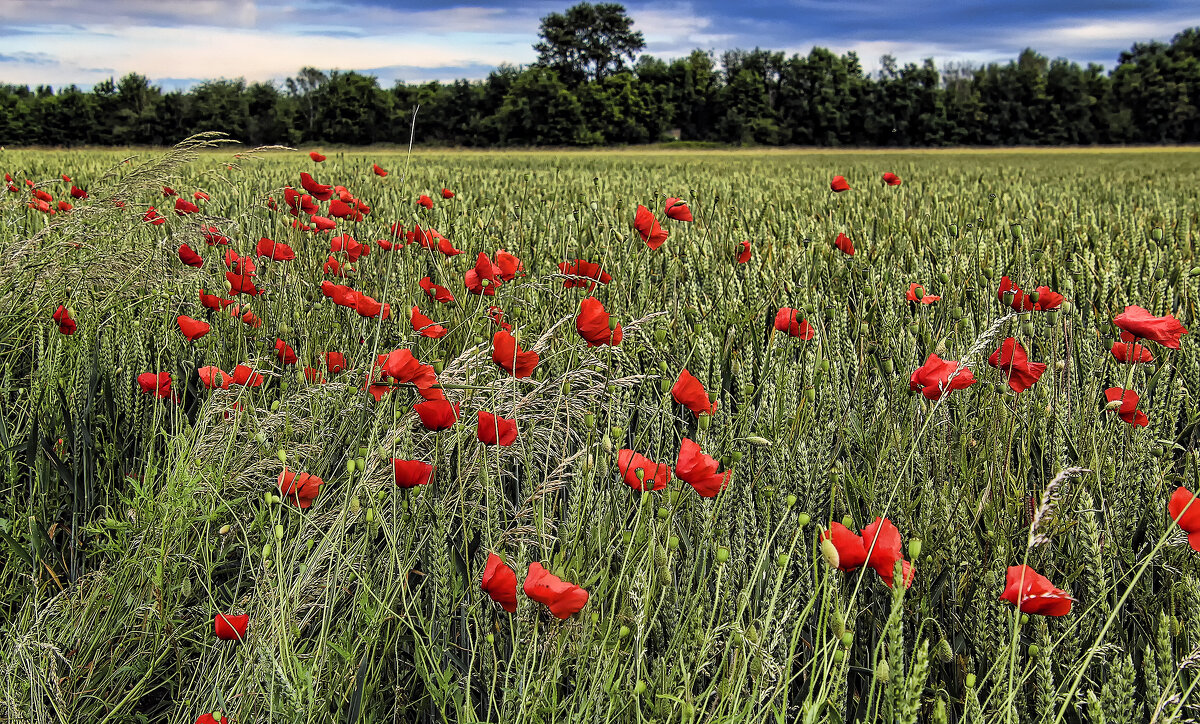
229 627
189 257
425 201
584 273
158 385
284 351
64 206
1127 353
447 194
316 157
436 292
193 329
246 376
510 266
496 315
353 248
1124 403
201 196
546 588
505 352
881 540
321 192
152 217
62 316
208 718
844 244
933 378
743 255
1010 358
184 207
594 326
242 284
312 375
320 223
43 195
678 210
212 236
1033 593
213 377
648 228
689 392
334 268
247 316
274 250
411 473
41 206
1140 323
214 302
699 470
849 551
1184 508
299 488
78 193
916 293
378 170
1022 302
168 192
484 277
339 209
495 430
437 414
426 327
891 179
640 472
499 582
403 367
839 184
367 306
788 320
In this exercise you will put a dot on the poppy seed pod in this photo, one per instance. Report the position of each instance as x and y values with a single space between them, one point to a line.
954 230
1156 233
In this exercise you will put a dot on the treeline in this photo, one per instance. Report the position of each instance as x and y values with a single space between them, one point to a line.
742 97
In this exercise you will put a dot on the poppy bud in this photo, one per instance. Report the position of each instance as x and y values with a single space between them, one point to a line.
1156 233
782 560
224 529
810 394
705 421
663 513
370 515
438 366
589 419
736 456
639 688
970 681
1024 619
616 431
350 467
830 552
1033 650
839 656
1159 274
803 519
954 230
847 638
673 542
278 532
914 548
660 335
266 550
282 455
726 459
723 554
848 520
1016 231
942 651
883 671
355 505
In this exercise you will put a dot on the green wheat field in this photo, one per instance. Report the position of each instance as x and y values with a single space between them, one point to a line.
135 517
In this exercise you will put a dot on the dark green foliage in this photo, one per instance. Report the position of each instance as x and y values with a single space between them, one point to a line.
581 92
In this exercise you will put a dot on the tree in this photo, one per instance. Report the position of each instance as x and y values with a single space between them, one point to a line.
588 42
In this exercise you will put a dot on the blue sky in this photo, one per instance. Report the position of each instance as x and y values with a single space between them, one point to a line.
176 42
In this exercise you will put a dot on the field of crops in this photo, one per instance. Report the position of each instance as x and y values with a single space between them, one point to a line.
482 440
